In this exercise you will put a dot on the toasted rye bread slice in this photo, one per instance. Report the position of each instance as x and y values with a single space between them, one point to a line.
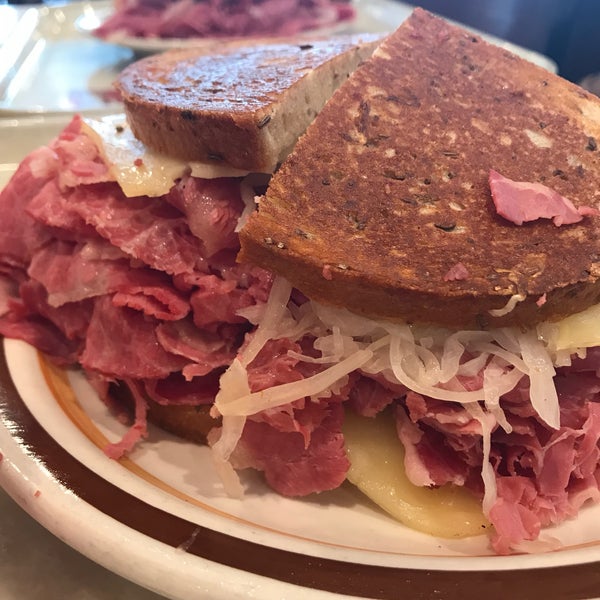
245 106
189 422
388 189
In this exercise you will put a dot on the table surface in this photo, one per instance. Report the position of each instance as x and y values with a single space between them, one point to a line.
36 565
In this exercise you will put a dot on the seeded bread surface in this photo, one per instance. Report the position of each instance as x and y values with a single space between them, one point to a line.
244 107
388 189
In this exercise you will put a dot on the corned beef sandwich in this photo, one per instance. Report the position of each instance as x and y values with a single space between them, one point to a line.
201 19
441 214
422 268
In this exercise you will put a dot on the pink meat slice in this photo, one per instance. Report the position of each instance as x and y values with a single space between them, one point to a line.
521 201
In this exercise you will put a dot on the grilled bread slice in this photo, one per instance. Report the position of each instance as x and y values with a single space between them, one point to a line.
185 421
388 191
245 106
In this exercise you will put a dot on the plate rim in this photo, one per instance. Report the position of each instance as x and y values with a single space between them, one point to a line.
45 480
33 461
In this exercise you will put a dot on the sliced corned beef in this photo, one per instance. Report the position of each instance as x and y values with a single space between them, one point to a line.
218 299
369 397
139 428
274 366
81 254
148 293
50 207
93 277
291 466
206 350
122 343
429 458
447 417
513 514
20 234
79 161
148 229
543 476
175 390
39 332
212 208
71 319
521 201
299 446
71 272
457 272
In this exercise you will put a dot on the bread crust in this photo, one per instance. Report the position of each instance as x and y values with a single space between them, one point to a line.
244 106
192 423
388 189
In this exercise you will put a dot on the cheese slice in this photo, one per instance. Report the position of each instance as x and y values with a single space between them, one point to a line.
138 170
580 330
377 469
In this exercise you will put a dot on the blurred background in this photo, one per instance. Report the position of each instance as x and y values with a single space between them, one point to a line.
567 31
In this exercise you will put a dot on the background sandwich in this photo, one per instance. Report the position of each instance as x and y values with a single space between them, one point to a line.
211 21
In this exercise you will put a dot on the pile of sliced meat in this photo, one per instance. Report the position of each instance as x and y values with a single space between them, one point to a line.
221 18
146 292
543 475
138 290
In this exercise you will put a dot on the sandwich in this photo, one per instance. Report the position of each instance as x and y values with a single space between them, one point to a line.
209 19
446 236
417 285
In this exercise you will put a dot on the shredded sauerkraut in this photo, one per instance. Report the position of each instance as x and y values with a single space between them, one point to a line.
431 361
508 307
248 191
234 384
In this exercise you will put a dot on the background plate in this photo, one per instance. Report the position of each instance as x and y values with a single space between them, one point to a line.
92 19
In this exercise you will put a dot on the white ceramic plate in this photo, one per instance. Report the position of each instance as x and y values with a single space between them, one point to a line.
152 45
161 519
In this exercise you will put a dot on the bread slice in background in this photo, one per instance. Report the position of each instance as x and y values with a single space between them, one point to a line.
388 189
244 106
